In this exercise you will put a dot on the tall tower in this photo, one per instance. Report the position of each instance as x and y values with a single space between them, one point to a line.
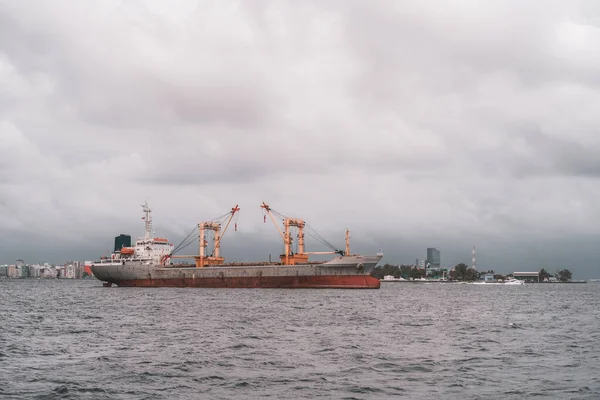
433 257
474 264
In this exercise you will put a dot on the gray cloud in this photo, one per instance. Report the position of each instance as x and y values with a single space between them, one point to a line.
415 124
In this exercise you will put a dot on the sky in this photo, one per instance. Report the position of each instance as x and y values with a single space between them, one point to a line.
414 124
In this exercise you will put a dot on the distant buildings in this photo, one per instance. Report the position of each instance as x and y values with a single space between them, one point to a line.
527 276
71 270
433 265
433 257
121 241
18 271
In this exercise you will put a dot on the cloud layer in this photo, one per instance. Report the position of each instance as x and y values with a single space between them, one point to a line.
413 123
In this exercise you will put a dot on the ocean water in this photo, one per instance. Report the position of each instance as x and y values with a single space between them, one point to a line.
63 339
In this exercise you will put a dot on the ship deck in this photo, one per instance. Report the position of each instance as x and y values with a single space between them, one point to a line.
242 264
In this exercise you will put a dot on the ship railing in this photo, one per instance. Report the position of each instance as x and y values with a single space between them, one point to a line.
241 264
120 260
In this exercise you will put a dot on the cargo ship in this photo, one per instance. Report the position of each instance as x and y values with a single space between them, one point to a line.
150 262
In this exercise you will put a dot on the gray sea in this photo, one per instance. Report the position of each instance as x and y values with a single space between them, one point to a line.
63 339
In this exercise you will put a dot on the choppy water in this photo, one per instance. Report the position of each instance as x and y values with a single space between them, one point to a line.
75 339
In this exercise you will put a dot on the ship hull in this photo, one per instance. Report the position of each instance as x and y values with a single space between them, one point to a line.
341 273
271 282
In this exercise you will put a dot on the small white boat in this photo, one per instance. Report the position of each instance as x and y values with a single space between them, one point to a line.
513 281
391 278
510 281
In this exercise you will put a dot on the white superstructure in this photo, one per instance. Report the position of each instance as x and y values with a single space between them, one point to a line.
148 248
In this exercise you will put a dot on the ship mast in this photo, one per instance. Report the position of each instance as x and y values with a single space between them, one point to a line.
347 241
148 220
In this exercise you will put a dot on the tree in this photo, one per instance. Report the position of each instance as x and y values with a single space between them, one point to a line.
460 271
471 274
543 275
387 269
417 273
405 271
564 275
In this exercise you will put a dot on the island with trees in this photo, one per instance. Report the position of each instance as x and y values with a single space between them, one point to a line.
460 272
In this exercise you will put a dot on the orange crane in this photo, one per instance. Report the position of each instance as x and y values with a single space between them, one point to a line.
202 259
301 257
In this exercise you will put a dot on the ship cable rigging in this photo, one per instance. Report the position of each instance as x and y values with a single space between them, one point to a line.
308 230
217 235
317 236
189 239
192 237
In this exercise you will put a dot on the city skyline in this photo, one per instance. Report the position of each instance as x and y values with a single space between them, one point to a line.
411 123
234 252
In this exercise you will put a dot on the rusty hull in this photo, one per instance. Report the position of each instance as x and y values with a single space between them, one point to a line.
258 276
270 282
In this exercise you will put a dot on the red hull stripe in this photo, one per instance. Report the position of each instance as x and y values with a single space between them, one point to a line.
291 282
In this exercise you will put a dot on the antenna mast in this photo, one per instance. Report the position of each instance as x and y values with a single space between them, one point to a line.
148 220
474 264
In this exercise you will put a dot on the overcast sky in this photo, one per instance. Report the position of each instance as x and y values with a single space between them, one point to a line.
413 123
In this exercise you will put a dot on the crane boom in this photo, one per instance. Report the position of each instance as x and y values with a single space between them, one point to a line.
218 239
268 210
214 258
347 253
